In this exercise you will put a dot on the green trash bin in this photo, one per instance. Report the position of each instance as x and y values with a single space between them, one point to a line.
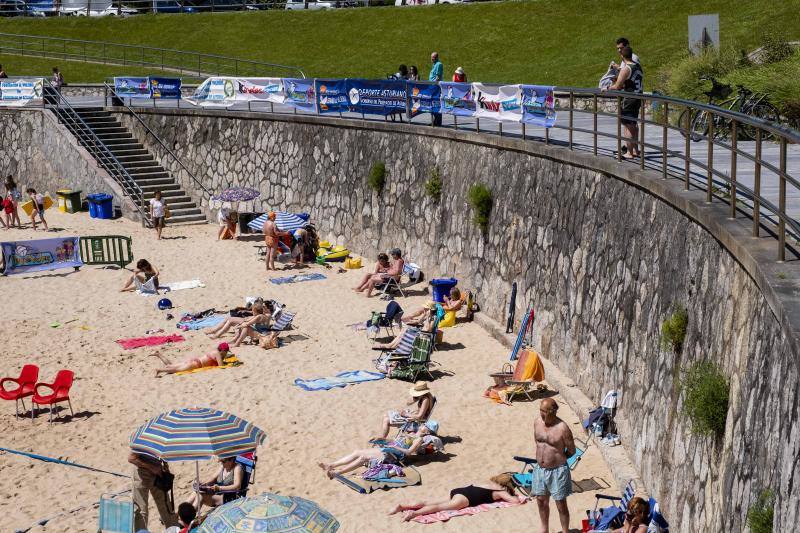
69 201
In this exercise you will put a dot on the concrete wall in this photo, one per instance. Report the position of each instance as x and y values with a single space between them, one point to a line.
602 250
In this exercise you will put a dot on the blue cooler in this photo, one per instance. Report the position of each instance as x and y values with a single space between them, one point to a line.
441 288
101 205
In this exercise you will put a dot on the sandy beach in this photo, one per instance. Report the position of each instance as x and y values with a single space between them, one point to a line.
115 390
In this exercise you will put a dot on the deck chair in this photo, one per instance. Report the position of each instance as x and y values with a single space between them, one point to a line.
59 393
25 386
519 379
116 514
392 284
387 320
614 515
248 463
522 479
283 321
411 425
367 486
409 367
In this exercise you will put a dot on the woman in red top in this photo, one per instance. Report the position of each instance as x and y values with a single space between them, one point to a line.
459 75
215 358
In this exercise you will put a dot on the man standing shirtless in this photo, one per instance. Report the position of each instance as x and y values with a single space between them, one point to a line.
551 476
270 240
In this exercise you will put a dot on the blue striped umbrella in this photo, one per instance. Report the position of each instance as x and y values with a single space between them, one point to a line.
196 434
283 221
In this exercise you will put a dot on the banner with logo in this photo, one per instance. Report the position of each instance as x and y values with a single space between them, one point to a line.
223 91
20 92
132 87
331 96
165 88
44 254
538 105
457 98
424 97
503 102
376 97
299 93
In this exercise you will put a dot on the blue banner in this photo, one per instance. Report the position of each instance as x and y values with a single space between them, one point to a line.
457 98
299 93
165 88
424 97
538 105
331 96
44 254
376 97
132 87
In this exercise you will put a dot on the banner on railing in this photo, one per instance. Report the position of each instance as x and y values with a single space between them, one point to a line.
457 98
43 254
132 87
331 96
423 97
165 88
219 91
376 97
299 93
538 105
20 92
498 102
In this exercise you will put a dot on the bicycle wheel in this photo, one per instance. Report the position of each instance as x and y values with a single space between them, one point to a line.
681 124
699 125
765 111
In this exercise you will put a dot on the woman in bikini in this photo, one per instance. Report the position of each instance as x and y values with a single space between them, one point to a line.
380 268
499 488
215 358
253 327
450 306
233 321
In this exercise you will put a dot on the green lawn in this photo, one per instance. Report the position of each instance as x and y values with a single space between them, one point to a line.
566 43
74 71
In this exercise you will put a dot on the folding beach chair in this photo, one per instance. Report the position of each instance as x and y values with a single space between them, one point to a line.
283 321
412 425
248 463
409 367
116 514
390 285
519 379
522 479
387 320
614 515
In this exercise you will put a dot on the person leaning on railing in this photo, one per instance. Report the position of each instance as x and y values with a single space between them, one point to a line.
630 79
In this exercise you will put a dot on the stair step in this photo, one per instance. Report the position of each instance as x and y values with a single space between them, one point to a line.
121 141
136 154
169 194
148 175
144 163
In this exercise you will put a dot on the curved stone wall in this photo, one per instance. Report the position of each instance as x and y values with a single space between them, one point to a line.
602 251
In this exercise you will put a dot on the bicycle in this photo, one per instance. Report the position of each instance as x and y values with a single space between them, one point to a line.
745 101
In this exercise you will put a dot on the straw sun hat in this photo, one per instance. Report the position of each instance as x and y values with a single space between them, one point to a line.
420 388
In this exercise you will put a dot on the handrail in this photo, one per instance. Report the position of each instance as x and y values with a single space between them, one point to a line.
192 62
157 138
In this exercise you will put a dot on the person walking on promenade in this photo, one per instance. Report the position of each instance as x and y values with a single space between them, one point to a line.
551 475
437 70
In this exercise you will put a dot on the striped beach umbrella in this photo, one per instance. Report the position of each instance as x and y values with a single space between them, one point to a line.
283 221
196 434
269 512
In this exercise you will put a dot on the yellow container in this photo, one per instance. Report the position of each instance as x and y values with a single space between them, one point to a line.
352 262
62 199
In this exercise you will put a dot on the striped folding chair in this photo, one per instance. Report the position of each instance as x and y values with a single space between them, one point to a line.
613 516
284 321
116 514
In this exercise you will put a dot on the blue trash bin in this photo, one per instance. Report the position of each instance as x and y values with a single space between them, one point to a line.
101 205
441 288
92 207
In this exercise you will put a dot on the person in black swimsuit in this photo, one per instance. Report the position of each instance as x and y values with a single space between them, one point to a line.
499 488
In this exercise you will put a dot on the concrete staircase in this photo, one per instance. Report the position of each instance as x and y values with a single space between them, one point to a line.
139 163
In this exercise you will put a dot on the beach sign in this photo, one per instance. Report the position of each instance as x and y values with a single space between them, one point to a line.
21 257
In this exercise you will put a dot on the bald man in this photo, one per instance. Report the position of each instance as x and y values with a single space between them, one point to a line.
551 476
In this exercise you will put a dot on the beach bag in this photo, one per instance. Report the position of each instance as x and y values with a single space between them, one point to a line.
352 262
164 481
268 342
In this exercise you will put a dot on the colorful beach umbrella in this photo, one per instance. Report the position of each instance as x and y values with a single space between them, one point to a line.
237 194
269 512
283 221
196 434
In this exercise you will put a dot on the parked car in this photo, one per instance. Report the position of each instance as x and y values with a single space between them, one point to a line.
222 5
171 6
12 8
311 4
41 8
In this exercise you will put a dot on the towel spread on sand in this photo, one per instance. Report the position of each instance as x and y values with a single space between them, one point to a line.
138 342
213 320
342 379
229 362
444 516
181 285
297 278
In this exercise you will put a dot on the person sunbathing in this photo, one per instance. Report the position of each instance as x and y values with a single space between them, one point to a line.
499 488
404 445
380 268
234 321
422 397
254 326
143 273
450 306
215 358
395 270
228 479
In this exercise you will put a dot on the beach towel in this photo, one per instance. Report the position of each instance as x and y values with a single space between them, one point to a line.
138 342
297 278
356 482
229 362
182 285
444 516
214 320
339 380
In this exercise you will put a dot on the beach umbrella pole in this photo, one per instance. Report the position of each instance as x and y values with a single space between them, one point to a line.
197 473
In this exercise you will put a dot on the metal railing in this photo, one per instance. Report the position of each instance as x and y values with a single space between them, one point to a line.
183 62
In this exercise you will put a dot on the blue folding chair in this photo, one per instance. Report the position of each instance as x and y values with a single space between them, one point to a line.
248 463
614 515
116 514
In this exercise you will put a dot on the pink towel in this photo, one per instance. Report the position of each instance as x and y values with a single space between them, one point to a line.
444 516
130 344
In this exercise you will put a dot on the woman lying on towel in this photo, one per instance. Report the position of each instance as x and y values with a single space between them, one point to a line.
499 488
215 358
257 308
405 445
143 273
451 306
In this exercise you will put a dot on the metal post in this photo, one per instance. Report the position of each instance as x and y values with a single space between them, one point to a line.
687 147
782 204
641 134
478 125
546 135
664 141
455 121
757 186
500 126
732 185
571 106
710 160
619 129
523 132
594 120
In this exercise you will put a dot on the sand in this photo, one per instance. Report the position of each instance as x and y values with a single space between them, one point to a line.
115 391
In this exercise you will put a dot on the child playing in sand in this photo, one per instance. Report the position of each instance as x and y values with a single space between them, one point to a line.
38 207
215 358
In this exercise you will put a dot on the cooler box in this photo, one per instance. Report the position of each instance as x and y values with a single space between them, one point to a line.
441 288
69 201
101 205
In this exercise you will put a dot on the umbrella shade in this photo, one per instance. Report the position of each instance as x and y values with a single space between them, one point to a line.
269 512
237 194
196 434
283 221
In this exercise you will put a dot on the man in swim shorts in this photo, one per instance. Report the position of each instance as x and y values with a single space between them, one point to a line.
271 240
551 476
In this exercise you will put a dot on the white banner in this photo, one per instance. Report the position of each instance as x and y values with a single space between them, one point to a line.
502 102
223 91
20 92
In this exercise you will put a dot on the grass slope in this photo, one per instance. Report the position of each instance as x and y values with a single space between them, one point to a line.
566 43
76 72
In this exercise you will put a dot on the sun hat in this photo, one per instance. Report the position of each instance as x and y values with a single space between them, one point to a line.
459 70
420 388
224 347
432 425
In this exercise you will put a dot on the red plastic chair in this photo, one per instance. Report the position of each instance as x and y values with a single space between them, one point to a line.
25 386
60 388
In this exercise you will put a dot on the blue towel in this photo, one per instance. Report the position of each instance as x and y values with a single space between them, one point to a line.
340 380
213 320
297 278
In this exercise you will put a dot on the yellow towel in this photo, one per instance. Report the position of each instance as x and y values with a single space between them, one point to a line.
533 370
229 362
